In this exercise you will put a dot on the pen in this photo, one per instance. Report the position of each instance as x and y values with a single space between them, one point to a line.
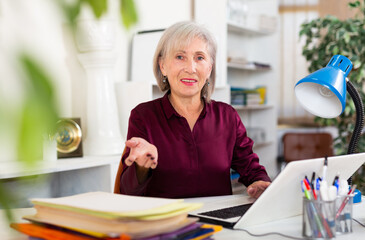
313 210
345 201
324 168
309 215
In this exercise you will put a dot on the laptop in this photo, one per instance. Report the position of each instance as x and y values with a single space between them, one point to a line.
282 199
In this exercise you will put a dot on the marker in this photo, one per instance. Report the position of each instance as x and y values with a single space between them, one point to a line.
343 187
313 179
309 187
324 168
323 190
335 179
318 187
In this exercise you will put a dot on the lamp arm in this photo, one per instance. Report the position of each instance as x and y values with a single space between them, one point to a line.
359 124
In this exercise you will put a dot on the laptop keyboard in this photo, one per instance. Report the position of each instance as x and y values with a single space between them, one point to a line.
230 212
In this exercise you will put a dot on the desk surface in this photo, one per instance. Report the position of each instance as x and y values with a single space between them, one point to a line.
290 226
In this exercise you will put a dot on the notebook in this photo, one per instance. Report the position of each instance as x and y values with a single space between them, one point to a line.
282 199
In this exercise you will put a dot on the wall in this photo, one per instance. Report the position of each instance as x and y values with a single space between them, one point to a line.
34 27
294 66
39 28
39 32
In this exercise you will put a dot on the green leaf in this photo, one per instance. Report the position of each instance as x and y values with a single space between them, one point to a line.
5 200
99 7
70 11
356 64
129 13
303 31
340 34
31 132
335 50
346 37
39 113
354 4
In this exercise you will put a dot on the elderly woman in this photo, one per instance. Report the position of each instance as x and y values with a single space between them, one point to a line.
184 144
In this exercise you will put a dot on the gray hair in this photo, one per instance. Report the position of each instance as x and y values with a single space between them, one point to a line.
180 35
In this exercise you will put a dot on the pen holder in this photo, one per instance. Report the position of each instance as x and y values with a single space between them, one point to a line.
319 219
344 206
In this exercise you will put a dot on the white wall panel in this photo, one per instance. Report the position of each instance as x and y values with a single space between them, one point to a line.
294 65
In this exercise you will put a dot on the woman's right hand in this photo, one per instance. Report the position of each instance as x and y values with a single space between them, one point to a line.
142 153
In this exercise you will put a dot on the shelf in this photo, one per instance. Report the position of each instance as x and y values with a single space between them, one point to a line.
234 27
262 144
233 65
14 169
252 107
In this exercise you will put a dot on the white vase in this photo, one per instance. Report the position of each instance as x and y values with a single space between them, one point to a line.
93 35
50 150
95 40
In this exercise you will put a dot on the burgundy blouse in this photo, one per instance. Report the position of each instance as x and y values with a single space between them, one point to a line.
191 163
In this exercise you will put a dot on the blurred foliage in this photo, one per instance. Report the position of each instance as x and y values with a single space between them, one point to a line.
38 114
36 118
71 10
328 36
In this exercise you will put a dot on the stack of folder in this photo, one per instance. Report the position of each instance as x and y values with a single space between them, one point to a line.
100 215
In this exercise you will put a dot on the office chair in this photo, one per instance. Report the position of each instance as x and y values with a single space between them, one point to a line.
299 146
119 174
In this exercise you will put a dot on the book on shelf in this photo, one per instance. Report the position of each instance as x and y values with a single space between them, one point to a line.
104 215
248 96
257 134
245 64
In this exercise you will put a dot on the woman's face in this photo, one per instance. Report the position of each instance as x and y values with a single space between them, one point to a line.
187 69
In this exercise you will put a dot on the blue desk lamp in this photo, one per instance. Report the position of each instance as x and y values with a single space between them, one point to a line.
323 93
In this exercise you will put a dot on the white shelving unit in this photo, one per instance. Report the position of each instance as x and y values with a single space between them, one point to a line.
232 65
252 42
257 45
234 27
63 177
252 107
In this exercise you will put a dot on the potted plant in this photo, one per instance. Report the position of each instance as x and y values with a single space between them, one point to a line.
72 10
328 36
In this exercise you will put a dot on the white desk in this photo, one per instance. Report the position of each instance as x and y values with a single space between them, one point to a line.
293 227
290 226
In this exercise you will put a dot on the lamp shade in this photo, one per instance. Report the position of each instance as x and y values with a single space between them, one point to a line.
323 93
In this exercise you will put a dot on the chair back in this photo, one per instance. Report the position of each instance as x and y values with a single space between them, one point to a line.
119 174
299 146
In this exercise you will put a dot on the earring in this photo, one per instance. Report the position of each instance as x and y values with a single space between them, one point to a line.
164 79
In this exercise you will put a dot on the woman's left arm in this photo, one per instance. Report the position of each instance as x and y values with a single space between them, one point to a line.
246 162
